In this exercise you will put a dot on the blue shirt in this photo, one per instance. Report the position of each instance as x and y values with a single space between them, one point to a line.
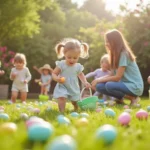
132 77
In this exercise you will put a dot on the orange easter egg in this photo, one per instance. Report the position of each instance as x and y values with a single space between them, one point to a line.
62 80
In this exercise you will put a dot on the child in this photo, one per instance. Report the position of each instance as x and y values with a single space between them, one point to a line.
2 72
125 80
46 78
101 72
21 76
67 72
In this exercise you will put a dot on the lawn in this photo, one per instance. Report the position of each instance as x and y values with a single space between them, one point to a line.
134 136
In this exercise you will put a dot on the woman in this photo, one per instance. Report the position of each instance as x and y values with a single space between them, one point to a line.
125 79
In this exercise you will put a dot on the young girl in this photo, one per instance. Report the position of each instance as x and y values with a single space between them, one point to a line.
125 80
67 72
2 72
101 72
21 76
46 78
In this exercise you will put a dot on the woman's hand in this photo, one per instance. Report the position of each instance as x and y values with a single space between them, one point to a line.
94 82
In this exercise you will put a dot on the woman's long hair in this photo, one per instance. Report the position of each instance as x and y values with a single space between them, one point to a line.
117 44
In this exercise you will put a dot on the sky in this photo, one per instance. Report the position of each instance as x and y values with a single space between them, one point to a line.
113 5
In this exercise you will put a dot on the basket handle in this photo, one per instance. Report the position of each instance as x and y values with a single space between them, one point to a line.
83 91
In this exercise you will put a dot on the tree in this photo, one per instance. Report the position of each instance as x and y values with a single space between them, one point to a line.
20 18
97 8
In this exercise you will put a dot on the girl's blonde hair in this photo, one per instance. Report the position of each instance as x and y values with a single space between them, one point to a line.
70 45
21 58
117 44
105 58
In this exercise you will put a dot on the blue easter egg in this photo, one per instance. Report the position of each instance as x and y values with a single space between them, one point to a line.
101 101
63 120
148 108
110 113
4 116
107 133
64 142
74 114
84 115
40 132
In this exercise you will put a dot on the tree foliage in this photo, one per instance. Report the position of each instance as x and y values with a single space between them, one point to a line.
19 17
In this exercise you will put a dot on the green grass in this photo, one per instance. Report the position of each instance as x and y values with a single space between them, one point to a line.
134 137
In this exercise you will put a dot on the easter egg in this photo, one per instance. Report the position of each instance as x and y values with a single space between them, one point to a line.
110 112
8 127
101 101
107 133
142 114
34 120
98 109
4 116
1 107
64 142
62 80
85 115
126 107
148 108
40 83
128 110
48 109
82 122
36 110
124 118
40 132
63 120
74 114
24 116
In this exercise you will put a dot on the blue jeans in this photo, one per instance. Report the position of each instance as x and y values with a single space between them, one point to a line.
115 89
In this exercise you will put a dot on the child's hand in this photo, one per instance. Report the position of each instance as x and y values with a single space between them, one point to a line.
60 79
87 85
13 74
25 81
36 80
35 67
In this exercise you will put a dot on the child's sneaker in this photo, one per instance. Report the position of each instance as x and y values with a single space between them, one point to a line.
135 101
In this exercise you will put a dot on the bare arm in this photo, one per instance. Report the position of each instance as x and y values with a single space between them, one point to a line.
83 80
35 68
55 74
115 78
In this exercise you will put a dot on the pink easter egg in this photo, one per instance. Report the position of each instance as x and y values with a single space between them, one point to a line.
142 114
36 110
98 109
124 118
126 107
34 120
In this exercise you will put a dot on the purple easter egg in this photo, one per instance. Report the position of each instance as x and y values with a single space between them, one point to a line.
142 114
124 118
